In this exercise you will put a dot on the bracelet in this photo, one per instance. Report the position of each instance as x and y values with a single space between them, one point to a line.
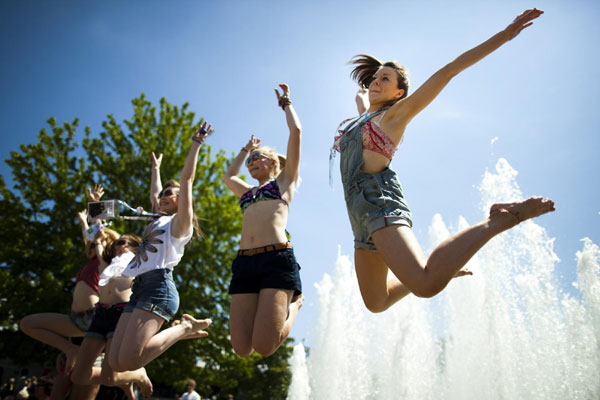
196 140
244 149
284 101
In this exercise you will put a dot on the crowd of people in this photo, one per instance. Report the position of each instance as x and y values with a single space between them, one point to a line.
125 293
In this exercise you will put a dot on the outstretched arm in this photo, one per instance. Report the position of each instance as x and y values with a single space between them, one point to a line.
292 162
155 183
403 111
183 219
231 179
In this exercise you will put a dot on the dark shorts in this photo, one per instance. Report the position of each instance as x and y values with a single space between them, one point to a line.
272 270
155 291
83 319
105 320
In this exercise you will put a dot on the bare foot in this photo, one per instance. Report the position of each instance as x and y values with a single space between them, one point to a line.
128 389
463 272
522 210
194 327
144 384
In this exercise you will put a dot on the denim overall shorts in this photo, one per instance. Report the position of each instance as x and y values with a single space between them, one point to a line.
374 201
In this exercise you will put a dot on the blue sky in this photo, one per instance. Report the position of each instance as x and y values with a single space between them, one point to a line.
537 94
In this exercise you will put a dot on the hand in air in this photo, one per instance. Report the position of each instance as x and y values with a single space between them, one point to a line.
82 215
156 160
522 21
202 133
253 143
97 193
285 92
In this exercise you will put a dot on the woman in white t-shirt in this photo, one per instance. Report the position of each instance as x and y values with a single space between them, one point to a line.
155 299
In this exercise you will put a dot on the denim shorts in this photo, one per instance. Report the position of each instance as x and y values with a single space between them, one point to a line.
375 201
105 320
155 291
83 319
271 270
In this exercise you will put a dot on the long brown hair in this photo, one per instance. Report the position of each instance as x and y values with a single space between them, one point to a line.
109 251
366 66
197 231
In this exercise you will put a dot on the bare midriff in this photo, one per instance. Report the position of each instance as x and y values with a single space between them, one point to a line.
84 297
373 162
264 224
118 290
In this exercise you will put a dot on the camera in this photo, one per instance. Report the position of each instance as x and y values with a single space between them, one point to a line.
102 210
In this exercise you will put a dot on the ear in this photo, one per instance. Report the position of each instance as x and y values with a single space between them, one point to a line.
399 94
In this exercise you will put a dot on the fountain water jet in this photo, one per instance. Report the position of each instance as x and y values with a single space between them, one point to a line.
507 332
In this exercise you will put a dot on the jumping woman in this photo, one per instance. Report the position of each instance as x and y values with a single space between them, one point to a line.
154 299
266 292
379 215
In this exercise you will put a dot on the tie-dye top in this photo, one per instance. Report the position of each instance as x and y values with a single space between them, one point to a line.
268 191
373 137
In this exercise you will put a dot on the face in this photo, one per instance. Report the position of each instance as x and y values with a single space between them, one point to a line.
384 86
168 199
259 165
124 246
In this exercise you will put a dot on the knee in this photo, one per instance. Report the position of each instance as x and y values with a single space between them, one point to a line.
26 324
265 347
375 306
107 377
113 361
79 377
242 349
427 290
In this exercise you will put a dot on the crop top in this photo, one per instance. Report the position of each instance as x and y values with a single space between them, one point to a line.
268 191
89 274
373 137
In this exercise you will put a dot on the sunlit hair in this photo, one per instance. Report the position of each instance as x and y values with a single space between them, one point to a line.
366 66
109 252
109 236
172 183
271 154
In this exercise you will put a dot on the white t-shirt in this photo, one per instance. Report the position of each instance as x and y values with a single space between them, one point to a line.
158 249
191 396
115 268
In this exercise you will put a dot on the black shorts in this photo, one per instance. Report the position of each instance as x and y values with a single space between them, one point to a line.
105 320
272 270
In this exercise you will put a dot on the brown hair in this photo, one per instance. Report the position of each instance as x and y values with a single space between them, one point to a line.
366 66
197 231
109 252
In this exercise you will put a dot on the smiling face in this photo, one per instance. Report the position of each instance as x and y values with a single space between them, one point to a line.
384 86
260 165
168 199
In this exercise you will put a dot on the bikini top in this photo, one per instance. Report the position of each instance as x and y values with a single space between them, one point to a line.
373 137
268 191
89 274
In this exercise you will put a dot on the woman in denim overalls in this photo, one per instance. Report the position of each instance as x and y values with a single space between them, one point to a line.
380 218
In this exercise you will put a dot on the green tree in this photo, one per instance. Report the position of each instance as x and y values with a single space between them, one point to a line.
43 250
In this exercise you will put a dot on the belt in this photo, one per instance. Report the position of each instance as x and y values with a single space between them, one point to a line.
265 249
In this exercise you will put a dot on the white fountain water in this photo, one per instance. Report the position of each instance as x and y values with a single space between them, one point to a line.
507 332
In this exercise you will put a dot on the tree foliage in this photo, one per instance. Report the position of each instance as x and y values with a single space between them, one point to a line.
42 249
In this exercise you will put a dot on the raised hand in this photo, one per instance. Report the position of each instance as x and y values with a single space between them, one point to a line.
283 99
202 133
82 215
156 160
97 193
252 144
521 22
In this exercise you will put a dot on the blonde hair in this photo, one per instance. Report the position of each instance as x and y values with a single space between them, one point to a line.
271 154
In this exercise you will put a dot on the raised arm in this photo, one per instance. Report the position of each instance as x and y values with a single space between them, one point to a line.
292 162
93 195
183 219
231 179
155 183
362 100
403 111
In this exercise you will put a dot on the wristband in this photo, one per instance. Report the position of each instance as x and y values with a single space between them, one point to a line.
196 140
284 101
244 149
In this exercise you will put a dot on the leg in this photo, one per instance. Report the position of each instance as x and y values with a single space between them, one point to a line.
399 249
60 387
378 292
84 372
275 316
124 380
84 392
53 329
140 343
241 322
